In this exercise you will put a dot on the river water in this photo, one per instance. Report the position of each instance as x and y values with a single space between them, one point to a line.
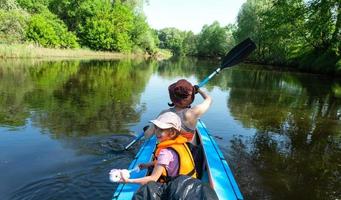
63 125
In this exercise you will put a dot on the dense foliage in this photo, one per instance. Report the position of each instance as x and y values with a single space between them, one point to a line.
48 31
212 41
304 34
97 24
12 25
301 33
108 29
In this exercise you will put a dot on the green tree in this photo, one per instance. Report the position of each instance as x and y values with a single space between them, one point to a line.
142 36
288 18
107 25
250 24
75 13
171 38
13 23
109 30
34 6
323 23
9 5
189 44
299 33
47 30
212 40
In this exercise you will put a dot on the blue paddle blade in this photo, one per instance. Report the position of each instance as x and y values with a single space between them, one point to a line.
238 53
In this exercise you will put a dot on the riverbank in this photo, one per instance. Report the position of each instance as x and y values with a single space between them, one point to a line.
31 51
332 70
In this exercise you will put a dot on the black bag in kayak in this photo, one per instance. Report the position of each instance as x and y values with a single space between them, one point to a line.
188 188
179 188
151 191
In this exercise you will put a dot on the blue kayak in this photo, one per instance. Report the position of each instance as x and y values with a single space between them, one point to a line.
217 172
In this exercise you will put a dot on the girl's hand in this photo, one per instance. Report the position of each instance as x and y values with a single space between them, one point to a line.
123 179
143 166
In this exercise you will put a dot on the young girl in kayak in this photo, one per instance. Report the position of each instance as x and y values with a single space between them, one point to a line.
182 95
172 155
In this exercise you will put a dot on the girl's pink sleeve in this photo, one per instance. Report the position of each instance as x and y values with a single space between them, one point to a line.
165 157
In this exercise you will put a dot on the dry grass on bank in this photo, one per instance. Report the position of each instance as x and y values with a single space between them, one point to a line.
31 51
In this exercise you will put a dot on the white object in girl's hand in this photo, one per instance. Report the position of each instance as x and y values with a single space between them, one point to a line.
115 174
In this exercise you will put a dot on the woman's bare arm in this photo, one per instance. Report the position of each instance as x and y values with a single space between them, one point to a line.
198 110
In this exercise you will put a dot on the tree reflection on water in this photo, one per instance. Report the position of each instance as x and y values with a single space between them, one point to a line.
297 146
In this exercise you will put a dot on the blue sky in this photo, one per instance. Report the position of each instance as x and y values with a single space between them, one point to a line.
191 14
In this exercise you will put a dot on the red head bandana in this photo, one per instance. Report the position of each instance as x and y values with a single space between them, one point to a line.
181 93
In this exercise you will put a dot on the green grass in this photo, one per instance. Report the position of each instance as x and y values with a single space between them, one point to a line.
163 54
31 51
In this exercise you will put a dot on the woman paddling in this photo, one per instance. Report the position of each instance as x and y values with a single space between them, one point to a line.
182 94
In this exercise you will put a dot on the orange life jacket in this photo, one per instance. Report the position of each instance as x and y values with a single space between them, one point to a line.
186 161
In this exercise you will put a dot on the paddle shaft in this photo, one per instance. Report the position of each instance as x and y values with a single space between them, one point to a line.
137 138
233 57
202 83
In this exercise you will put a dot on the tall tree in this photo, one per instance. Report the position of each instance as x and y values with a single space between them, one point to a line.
212 40
109 29
172 38
250 24
294 32
13 22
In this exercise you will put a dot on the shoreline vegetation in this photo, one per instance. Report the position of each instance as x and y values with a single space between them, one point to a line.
22 51
31 51
304 35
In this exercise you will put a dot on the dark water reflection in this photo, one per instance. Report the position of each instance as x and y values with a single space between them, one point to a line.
63 125
296 148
